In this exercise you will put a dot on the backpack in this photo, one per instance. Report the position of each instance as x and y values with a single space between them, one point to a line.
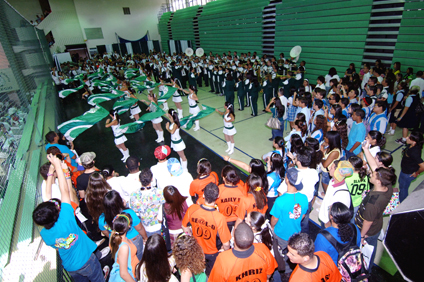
350 260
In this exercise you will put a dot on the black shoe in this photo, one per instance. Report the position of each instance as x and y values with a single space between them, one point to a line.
271 139
216 92
264 111
211 91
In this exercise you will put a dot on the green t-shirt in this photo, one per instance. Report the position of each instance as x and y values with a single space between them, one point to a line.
201 277
356 187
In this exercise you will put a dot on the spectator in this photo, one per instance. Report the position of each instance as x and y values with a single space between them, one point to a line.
161 168
53 139
179 178
131 183
357 134
189 258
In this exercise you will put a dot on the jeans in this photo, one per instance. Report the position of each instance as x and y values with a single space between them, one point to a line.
138 242
210 261
270 201
153 233
325 177
355 210
404 183
372 240
90 271
278 132
304 224
283 245
349 154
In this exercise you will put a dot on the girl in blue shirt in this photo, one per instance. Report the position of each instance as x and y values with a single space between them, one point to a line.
320 129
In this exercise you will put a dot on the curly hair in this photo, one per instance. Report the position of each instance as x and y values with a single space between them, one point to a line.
96 191
188 254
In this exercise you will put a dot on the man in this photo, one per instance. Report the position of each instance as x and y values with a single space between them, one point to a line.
87 161
53 140
337 190
208 226
146 203
161 168
313 267
418 81
378 119
246 262
365 77
131 182
179 178
289 210
357 134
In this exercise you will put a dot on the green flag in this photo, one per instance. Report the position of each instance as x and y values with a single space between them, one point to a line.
123 106
64 93
132 127
167 93
74 127
99 98
188 121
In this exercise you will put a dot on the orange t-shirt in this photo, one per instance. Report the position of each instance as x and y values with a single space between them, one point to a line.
230 197
207 224
198 185
248 205
326 271
254 264
133 254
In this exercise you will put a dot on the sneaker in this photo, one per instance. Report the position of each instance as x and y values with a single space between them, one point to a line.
271 139
104 252
106 270
400 141
196 129
98 243
391 132
160 140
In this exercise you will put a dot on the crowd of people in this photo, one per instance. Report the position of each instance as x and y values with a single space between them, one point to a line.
163 224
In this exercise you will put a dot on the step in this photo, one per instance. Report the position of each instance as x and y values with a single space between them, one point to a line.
375 3
395 9
378 54
380 40
385 25
380 33
394 17
379 47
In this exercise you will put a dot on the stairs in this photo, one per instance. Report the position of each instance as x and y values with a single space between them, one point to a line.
268 28
196 28
169 26
383 30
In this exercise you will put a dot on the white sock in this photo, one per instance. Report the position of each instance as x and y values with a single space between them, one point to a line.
196 124
165 106
160 134
126 153
122 151
184 164
180 113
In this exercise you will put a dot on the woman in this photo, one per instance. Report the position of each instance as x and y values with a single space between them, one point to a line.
278 145
96 190
135 109
300 128
176 97
320 130
124 252
256 199
114 205
58 221
229 129
156 122
331 148
177 143
275 175
315 161
112 177
192 103
261 229
205 175
277 112
118 133
357 183
341 229
190 259
412 164
174 210
376 141
407 117
369 218
156 264
351 70
332 74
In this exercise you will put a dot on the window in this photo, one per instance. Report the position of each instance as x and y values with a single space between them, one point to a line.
126 10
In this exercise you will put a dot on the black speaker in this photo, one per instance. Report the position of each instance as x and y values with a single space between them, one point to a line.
404 237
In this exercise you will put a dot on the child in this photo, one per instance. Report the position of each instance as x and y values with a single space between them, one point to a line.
320 128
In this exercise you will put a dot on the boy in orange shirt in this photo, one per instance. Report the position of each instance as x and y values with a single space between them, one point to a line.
311 266
208 226
246 262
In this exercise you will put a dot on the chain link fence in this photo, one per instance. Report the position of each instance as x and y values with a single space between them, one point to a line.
28 101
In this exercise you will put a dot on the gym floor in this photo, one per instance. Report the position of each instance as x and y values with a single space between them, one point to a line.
251 141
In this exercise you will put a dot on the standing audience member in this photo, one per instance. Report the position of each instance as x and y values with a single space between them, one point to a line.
190 259
161 168
357 134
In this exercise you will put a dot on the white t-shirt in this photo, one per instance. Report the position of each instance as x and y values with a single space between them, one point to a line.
55 190
328 78
365 79
115 183
309 179
130 184
418 82
307 112
160 174
331 197
182 183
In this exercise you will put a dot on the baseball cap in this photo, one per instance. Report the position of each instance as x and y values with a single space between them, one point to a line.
174 167
344 169
87 157
161 152
294 178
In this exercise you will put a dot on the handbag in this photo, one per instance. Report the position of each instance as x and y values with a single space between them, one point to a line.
273 123
391 206
419 109
165 230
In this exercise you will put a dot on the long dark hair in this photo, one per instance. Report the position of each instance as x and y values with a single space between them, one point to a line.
174 116
317 155
257 220
333 141
341 127
175 201
417 137
120 226
385 158
277 165
321 124
254 181
279 107
296 143
230 107
155 260
113 205
386 176
229 173
302 126
380 139
257 166
96 190
115 114
341 216
204 167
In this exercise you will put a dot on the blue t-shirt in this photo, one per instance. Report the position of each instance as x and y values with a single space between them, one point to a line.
289 208
64 150
318 134
131 234
357 134
322 244
345 113
74 246
275 114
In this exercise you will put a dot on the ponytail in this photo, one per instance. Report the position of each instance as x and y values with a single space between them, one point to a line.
121 224
254 183
174 116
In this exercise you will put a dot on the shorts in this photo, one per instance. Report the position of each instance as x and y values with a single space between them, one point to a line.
230 132
157 120
325 177
178 147
120 140
194 111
